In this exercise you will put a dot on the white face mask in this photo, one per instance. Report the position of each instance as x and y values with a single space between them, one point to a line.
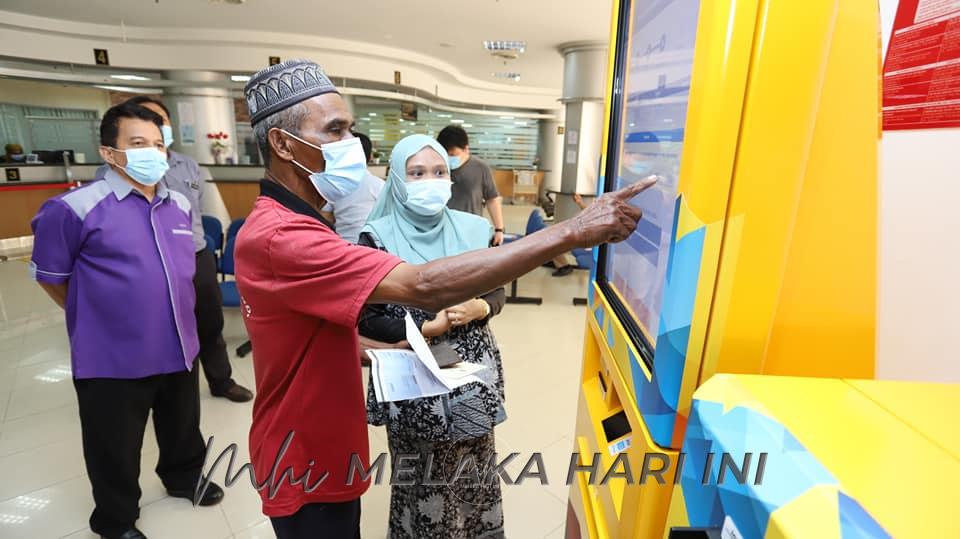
428 197
346 165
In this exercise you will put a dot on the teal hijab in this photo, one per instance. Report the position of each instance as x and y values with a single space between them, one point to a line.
412 237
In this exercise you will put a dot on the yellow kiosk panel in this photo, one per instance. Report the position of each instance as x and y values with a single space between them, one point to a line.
838 463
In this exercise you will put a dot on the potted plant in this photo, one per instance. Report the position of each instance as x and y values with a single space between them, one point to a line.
218 146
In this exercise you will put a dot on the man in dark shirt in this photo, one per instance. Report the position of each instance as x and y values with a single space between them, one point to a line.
473 186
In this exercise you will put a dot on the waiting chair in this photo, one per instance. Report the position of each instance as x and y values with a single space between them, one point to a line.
211 243
228 289
214 230
232 231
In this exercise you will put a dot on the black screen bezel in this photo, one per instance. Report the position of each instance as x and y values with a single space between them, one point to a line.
644 347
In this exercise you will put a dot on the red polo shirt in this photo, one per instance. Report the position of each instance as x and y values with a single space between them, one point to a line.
302 289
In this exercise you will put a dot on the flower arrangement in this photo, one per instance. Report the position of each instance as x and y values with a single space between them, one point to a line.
217 145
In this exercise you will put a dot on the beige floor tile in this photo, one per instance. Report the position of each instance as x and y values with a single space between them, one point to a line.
263 530
51 512
531 511
558 533
241 504
175 518
39 468
44 428
82 534
39 388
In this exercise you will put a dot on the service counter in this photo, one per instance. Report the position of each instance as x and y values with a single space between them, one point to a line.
238 195
238 185
504 179
25 187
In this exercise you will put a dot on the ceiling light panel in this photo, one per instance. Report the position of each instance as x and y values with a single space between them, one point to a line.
515 77
511 46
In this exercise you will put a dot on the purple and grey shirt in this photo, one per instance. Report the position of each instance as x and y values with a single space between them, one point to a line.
130 266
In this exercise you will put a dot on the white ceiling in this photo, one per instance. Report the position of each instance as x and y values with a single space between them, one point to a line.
449 30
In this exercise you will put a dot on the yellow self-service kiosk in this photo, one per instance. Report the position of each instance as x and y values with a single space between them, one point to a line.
756 256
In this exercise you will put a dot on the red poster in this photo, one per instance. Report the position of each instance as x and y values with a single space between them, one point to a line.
921 74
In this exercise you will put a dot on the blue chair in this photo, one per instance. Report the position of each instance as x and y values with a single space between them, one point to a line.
211 243
534 223
214 230
228 289
225 265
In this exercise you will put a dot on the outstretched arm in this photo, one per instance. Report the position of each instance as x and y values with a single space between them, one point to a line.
448 281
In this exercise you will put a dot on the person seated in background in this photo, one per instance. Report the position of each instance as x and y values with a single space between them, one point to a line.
350 213
473 185
13 153
566 263
411 220
117 256
184 177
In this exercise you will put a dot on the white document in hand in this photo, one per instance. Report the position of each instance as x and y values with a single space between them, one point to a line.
400 375
419 345
462 374
407 374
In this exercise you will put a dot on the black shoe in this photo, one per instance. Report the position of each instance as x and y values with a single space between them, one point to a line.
212 496
235 393
566 270
132 533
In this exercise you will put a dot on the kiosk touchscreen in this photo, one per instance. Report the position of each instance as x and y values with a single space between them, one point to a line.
647 139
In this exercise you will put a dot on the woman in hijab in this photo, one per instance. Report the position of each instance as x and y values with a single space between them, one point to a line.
451 434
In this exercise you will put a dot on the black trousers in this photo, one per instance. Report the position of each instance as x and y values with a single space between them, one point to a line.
316 520
209 312
113 416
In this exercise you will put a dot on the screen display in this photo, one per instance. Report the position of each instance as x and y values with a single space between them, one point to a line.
656 73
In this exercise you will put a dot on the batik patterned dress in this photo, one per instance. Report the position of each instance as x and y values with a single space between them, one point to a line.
447 440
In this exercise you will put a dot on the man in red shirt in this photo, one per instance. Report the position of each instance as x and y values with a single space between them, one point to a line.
303 288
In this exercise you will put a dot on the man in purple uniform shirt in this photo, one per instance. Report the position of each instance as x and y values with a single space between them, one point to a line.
118 256
183 176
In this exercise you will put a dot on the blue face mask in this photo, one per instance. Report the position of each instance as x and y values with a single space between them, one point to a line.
346 165
455 162
428 197
145 165
167 135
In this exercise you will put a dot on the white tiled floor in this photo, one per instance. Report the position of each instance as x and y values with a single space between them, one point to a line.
44 492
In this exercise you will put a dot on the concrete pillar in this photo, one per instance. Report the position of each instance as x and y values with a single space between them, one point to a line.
550 151
584 77
351 103
196 110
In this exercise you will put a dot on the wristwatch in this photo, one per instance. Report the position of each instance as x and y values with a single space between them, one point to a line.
498 230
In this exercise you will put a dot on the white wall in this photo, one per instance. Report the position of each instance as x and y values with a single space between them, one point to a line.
919 281
48 94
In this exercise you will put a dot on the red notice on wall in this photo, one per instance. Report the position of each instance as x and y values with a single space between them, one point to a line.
921 74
